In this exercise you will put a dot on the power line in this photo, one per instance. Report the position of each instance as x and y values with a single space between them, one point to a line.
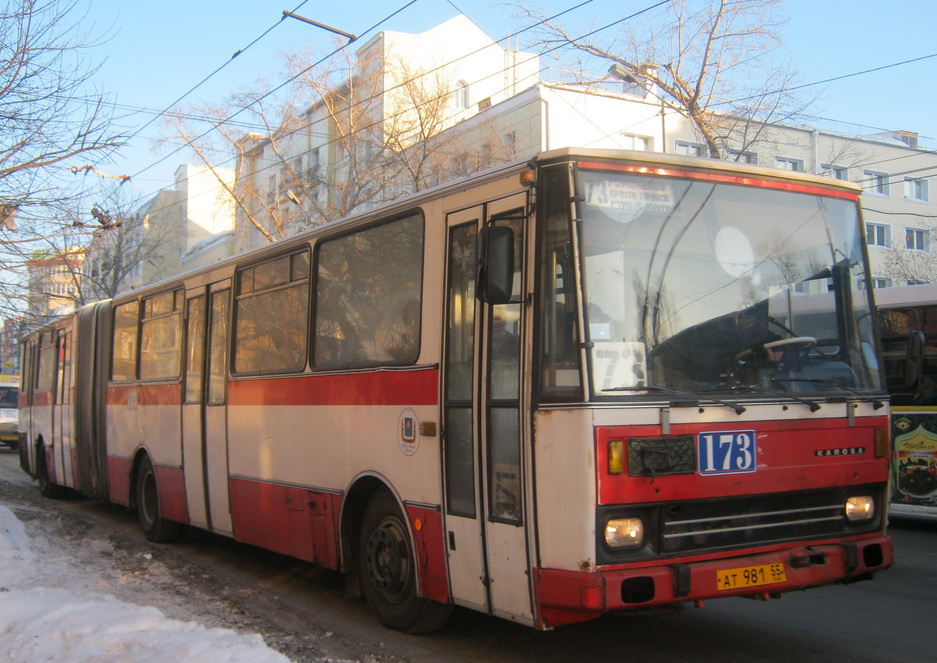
830 80
270 92
205 79
545 52
366 100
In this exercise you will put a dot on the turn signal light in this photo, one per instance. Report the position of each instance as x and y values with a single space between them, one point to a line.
616 457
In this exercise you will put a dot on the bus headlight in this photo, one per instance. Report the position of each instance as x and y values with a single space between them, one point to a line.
861 507
624 533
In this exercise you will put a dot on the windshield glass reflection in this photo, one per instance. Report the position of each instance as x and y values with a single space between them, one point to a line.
702 286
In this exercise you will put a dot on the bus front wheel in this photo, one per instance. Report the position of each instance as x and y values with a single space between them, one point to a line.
388 571
155 527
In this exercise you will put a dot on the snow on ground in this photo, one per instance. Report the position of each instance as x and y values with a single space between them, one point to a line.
42 623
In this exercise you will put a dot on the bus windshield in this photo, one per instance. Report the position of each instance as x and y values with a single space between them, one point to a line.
702 286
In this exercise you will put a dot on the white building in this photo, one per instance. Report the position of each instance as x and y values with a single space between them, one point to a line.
176 230
360 142
498 109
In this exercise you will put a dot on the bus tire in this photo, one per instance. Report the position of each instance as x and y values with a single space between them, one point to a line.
154 526
388 571
53 491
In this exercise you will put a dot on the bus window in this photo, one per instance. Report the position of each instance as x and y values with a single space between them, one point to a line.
47 350
368 296
560 368
124 359
161 337
272 315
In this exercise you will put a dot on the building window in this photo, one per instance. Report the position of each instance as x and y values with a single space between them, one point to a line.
878 234
462 95
915 188
876 182
789 163
834 171
916 239
743 157
881 282
917 281
689 149
634 142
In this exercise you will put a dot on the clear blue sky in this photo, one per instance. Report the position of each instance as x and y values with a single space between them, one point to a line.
158 50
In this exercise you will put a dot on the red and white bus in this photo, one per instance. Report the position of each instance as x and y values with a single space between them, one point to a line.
593 381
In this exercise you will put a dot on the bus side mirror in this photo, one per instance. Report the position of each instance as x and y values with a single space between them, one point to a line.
495 264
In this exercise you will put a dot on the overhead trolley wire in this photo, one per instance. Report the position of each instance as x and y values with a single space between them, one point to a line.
516 33
204 80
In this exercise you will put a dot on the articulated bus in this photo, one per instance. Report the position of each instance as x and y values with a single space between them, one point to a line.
908 324
582 383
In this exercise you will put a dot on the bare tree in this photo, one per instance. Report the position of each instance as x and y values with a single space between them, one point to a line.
369 131
50 128
419 111
712 61
48 119
905 265
125 246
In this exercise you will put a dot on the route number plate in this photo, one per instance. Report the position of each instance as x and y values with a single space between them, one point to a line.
726 452
750 576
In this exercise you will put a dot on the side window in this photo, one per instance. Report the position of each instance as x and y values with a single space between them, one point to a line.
161 337
124 356
559 369
369 296
272 315
64 381
47 350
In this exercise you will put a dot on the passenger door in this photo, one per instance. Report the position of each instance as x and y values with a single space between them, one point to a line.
483 432
204 410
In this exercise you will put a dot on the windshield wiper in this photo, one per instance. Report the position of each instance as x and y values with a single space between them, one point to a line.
739 409
876 402
813 405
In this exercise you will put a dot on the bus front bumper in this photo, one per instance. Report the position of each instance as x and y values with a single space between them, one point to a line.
570 596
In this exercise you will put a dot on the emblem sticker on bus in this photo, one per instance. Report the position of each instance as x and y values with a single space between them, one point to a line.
408 438
726 452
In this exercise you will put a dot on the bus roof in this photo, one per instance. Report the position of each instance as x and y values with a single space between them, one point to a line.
905 295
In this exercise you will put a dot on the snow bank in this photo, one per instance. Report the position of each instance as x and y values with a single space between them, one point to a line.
45 624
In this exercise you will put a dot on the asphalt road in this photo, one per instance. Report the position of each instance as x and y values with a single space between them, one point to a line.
300 611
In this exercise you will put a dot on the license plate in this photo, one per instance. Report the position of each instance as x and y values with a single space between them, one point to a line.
750 576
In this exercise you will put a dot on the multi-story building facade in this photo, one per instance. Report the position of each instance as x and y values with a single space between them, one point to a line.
499 109
175 230
53 285
381 129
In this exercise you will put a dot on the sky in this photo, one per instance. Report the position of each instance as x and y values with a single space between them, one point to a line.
69 624
157 51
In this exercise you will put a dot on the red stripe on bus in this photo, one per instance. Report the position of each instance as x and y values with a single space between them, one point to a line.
147 394
724 179
286 519
42 398
378 388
